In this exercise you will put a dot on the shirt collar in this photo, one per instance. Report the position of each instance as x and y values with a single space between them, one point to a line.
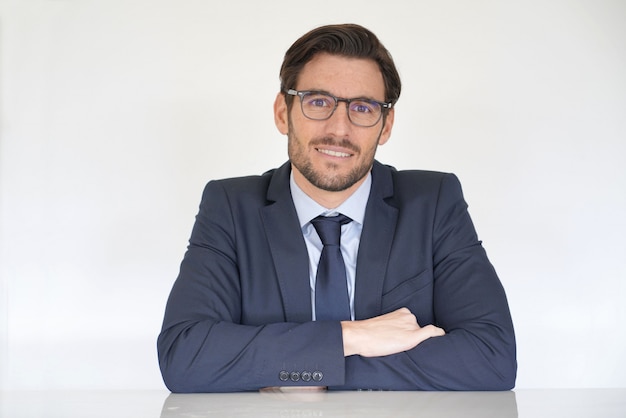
353 207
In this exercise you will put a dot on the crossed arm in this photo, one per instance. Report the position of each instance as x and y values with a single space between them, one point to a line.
205 346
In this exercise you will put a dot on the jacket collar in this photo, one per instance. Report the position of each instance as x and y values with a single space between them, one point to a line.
379 227
287 246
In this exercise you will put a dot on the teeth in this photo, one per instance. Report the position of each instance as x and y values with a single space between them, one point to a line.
333 153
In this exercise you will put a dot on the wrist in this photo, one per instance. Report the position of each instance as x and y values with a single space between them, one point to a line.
348 332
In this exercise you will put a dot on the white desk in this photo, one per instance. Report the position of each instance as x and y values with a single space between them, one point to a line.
573 403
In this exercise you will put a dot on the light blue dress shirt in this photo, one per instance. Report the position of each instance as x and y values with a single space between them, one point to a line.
353 207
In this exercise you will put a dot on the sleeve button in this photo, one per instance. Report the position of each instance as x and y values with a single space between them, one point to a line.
283 375
306 376
318 376
295 376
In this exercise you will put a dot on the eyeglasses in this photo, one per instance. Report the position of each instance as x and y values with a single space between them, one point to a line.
319 105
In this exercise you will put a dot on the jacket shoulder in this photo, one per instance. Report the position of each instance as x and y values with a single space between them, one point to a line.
420 180
252 186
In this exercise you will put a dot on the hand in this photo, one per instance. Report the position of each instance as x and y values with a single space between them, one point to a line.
387 334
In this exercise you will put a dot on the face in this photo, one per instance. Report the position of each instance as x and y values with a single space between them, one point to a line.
333 155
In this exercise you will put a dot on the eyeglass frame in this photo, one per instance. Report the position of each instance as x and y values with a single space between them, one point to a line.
384 107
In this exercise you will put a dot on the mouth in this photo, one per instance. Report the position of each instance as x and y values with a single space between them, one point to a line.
333 153
335 148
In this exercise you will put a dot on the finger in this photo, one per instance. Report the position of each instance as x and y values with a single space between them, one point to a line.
434 331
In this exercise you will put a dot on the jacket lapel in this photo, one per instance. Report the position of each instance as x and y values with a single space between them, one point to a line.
379 225
288 248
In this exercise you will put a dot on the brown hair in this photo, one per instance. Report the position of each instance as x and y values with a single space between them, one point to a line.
348 40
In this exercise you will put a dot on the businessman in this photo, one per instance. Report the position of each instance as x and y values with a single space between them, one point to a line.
334 270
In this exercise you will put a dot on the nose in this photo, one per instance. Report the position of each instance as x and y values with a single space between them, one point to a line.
339 121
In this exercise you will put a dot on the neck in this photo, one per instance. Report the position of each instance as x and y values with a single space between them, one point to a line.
326 198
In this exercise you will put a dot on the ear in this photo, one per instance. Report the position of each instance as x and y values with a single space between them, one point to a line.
281 117
386 132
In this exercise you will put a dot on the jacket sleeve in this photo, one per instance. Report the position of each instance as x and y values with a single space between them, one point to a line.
478 351
204 347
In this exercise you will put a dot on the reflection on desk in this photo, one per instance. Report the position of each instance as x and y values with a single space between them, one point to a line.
343 404
552 403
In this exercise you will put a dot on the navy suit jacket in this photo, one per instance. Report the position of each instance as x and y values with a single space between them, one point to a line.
239 315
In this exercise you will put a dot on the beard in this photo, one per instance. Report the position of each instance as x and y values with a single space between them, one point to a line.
328 178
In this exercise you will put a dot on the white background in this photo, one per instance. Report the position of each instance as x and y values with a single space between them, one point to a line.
115 113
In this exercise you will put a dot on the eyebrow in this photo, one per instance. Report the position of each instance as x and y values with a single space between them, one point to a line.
339 97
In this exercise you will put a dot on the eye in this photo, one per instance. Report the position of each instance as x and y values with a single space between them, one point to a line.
319 100
365 107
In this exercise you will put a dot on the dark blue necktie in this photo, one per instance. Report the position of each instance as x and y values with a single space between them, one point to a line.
332 302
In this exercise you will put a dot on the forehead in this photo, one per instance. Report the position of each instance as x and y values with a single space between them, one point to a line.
343 76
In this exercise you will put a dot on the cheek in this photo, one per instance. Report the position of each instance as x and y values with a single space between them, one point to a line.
303 129
371 151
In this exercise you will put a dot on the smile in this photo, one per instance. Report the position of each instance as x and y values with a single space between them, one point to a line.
334 153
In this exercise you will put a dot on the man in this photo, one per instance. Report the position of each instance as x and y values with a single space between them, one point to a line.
419 306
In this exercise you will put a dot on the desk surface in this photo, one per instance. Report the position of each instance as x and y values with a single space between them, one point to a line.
570 403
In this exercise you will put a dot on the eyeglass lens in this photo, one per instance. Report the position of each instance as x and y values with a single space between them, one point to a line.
321 106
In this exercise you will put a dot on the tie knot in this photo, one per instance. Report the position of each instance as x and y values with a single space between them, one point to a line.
329 228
